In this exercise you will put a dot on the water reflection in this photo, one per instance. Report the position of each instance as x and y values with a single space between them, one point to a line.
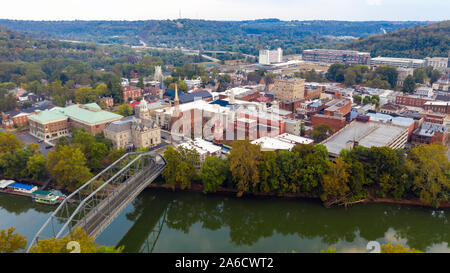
248 222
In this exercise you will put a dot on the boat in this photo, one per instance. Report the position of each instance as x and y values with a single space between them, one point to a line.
45 197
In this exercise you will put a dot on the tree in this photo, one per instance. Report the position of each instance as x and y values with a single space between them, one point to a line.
9 143
94 151
321 132
11 242
419 75
125 110
140 83
68 167
357 99
181 166
435 75
244 160
429 169
378 83
270 172
87 244
213 173
350 78
37 167
409 84
389 248
335 181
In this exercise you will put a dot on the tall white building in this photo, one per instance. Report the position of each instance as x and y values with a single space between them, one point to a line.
158 73
270 56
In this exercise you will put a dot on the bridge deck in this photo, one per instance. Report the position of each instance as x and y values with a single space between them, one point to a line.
104 213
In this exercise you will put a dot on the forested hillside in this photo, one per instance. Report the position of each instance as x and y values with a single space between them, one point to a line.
243 36
416 42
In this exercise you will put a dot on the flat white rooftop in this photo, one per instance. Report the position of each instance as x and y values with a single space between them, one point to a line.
367 134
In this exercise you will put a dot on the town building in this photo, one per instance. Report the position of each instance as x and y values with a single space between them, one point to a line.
19 117
398 62
203 147
54 123
376 130
402 74
134 133
411 100
289 90
270 56
131 93
49 125
430 133
336 56
437 106
281 142
439 63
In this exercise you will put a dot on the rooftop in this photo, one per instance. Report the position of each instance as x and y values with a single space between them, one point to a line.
367 134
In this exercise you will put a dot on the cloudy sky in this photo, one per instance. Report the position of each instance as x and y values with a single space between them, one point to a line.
355 10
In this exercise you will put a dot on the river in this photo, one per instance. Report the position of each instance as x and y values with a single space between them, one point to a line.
164 221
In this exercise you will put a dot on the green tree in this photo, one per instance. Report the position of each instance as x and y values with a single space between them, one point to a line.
435 75
321 132
37 167
409 84
270 172
357 99
11 242
419 75
125 110
350 78
68 167
94 151
213 173
181 166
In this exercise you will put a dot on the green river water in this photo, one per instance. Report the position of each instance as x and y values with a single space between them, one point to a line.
164 221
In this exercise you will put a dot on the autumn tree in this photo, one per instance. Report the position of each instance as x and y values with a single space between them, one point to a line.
244 160
335 181
390 248
87 244
11 242
429 169
9 143
68 167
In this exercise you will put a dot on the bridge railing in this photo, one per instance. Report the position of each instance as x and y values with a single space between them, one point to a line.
91 196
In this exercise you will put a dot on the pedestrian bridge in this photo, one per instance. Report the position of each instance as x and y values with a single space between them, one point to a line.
99 201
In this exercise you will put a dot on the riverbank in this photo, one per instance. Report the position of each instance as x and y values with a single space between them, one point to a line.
227 191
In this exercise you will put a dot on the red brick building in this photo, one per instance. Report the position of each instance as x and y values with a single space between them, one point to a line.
409 100
334 122
131 92
438 106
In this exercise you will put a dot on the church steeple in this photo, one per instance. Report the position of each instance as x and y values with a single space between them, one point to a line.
176 100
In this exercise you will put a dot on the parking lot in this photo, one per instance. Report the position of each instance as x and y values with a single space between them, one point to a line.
28 139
